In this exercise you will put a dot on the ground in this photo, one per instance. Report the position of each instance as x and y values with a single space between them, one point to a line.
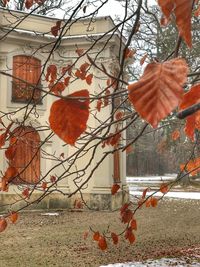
171 229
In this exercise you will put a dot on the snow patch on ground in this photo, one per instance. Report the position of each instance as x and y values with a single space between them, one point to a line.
164 262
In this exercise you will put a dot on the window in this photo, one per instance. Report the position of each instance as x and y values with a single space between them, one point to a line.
28 69
27 155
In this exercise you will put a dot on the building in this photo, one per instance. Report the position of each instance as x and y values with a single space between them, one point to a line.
26 42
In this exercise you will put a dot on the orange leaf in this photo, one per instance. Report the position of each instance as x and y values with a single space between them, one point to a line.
148 203
44 185
10 173
129 235
80 74
84 67
143 59
29 3
96 236
127 216
79 51
67 69
51 74
25 192
124 208
99 104
66 81
89 79
3 224
115 238
55 29
175 135
57 88
102 243
183 11
190 98
68 117
154 202
159 90
129 53
115 188
13 217
2 139
52 178
129 149
134 224
10 152
144 192
119 115
164 188
193 166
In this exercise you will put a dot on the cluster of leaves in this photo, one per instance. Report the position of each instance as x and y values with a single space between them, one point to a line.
127 217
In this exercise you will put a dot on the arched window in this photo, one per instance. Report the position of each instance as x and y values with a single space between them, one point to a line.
28 69
27 155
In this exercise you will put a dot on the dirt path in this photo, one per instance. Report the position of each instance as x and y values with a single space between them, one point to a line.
168 230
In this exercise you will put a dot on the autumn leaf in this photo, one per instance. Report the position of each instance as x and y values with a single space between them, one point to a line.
129 149
175 135
193 121
66 81
3 224
67 69
29 3
79 51
148 203
129 53
133 224
68 117
57 88
89 79
106 99
144 192
13 217
2 140
10 173
96 236
143 59
102 243
51 74
126 216
183 12
44 185
53 179
84 67
25 192
154 202
115 238
99 104
115 189
119 115
164 188
55 29
129 235
124 208
193 166
159 90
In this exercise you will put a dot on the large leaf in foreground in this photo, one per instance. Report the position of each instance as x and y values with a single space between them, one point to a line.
159 90
68 117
